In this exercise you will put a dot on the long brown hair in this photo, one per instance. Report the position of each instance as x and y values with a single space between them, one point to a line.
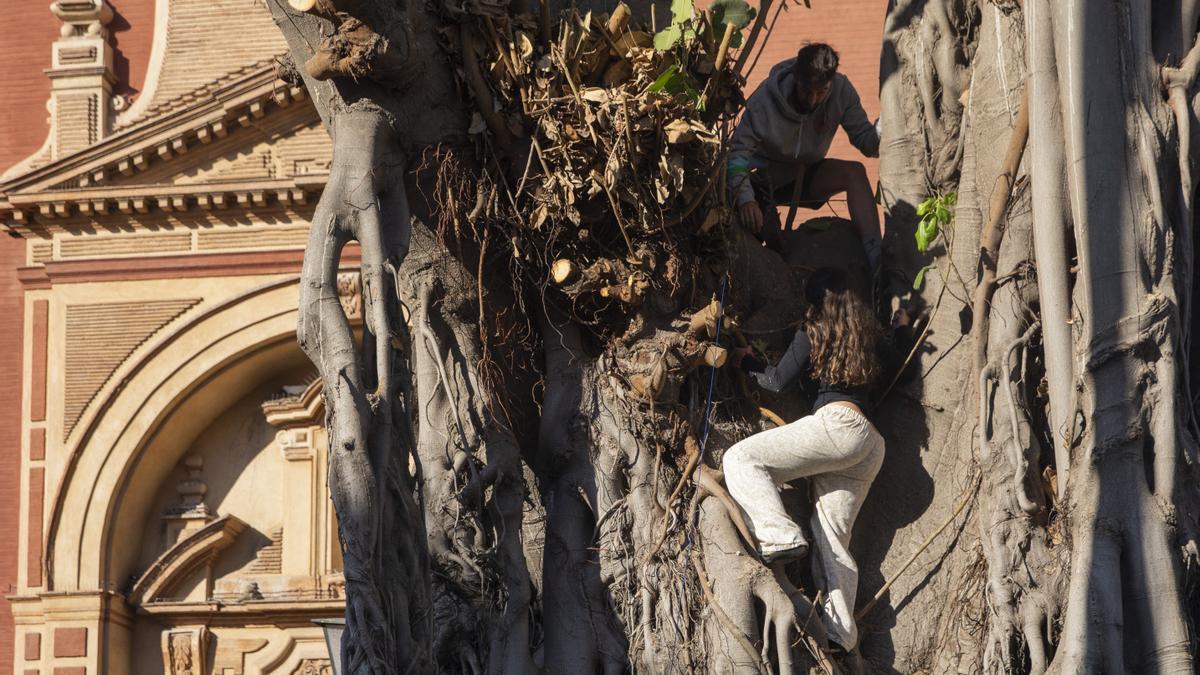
842 329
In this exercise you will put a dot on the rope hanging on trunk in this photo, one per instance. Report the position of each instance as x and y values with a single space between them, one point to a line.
712 375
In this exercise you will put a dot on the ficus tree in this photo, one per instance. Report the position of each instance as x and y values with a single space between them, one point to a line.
527 477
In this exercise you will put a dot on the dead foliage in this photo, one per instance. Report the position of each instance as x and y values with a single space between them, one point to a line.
601 158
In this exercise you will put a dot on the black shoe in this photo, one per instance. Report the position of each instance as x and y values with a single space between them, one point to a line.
798 552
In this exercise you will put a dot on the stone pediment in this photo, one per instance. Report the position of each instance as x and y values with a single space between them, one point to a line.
250 140
196 550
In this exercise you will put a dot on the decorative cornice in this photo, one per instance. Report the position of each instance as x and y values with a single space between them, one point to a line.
45 211
238 103
270 612
302 410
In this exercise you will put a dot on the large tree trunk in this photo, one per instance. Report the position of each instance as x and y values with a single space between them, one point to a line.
1078 402
520 492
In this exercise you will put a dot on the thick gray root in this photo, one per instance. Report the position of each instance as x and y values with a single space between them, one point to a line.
373 491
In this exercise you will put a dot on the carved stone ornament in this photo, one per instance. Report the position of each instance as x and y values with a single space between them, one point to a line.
190 513
180 648
349 285
314 667
184 650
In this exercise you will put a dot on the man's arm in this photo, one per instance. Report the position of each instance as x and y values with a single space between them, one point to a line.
742 147
859 128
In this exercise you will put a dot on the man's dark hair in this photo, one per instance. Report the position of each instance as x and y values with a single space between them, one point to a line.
816 63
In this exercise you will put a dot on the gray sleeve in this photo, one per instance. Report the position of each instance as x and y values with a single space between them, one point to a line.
863 134
791 366
741 150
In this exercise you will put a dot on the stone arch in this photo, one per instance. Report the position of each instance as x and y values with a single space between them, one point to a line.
129 434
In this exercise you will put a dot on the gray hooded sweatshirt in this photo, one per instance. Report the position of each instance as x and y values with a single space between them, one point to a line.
774 137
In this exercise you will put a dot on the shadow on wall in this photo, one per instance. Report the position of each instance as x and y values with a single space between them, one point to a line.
241 473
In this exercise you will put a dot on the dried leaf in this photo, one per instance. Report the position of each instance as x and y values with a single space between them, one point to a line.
524 45
595 95
539 216
679 131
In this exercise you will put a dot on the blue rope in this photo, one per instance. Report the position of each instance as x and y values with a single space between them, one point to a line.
712 383
712 376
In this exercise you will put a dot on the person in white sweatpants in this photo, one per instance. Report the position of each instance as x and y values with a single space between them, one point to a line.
836 447
841 452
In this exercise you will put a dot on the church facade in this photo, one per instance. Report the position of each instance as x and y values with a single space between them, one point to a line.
162 463
173 509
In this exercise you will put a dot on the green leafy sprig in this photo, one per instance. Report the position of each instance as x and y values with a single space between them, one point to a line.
937 215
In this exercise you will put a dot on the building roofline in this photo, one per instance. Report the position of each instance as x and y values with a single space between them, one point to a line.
234 104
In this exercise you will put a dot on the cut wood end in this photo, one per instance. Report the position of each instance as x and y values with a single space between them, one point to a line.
705 320
302 5
715 356
563 271
618 20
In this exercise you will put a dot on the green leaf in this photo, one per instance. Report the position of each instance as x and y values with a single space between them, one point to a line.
927 231
664 81
681 15
736 12
924 206
920 278
950 199
676 83
667 37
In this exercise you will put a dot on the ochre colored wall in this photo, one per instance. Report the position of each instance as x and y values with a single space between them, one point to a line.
25 51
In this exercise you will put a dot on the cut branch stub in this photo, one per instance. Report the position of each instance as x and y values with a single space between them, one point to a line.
354 50
564 271
705 320
627 281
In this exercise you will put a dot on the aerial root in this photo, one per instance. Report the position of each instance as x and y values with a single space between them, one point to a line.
708 481
727 624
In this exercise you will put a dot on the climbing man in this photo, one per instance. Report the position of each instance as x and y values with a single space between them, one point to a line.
777 154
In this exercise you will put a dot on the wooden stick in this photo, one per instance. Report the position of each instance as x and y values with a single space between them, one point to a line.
879 594
772 416
619 19
721 51
718 64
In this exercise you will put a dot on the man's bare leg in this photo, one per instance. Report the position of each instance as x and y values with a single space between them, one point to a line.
834 176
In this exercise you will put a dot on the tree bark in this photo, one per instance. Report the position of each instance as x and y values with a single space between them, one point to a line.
520 493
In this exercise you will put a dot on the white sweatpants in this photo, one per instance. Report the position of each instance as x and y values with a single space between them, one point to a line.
840 452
